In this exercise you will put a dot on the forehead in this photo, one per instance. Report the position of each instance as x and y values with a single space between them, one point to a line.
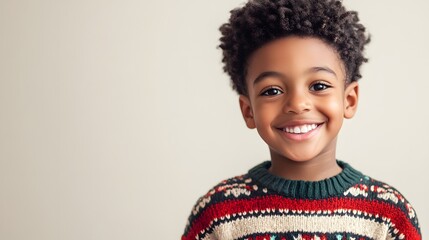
292 56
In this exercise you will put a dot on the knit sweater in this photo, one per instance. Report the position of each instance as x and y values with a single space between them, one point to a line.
260 205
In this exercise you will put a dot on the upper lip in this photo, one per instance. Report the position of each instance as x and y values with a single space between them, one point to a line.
293 123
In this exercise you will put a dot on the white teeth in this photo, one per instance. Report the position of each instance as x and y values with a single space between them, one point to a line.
296 130
300 129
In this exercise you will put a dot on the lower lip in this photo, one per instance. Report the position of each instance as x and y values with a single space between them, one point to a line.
301 136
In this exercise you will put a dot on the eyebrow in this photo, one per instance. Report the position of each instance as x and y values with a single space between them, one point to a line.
324 69
263 75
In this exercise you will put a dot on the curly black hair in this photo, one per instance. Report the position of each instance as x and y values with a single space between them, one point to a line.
261 21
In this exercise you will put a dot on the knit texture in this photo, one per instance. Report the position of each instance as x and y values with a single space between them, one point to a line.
259 205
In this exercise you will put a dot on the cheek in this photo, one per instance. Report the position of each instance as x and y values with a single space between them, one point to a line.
265 114
333 109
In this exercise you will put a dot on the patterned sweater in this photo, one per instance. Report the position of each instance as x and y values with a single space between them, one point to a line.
259 205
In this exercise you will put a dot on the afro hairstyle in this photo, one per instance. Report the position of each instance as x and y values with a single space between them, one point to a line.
261 21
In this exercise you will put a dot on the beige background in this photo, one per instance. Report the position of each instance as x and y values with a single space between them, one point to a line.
115 116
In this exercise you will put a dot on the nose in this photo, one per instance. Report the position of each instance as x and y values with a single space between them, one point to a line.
297 102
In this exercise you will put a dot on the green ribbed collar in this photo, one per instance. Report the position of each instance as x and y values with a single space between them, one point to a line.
329 187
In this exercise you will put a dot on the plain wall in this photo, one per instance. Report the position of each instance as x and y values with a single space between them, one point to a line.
115 116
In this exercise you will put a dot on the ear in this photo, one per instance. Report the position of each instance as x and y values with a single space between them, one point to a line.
351 97
246 110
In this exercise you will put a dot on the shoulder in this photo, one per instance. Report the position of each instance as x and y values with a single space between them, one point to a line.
385 201
228 189
217 200
375 190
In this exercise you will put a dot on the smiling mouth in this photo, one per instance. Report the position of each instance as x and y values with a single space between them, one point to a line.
301 129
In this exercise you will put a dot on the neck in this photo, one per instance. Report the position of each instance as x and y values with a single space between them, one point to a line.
316 169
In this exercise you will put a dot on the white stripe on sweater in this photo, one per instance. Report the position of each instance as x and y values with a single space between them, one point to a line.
299 223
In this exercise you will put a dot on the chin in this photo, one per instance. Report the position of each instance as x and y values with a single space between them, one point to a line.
300 158
293 156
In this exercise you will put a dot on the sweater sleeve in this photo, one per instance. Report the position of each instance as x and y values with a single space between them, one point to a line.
199 219
205 212
405 224
402 218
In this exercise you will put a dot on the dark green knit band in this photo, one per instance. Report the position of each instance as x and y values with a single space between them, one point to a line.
334 186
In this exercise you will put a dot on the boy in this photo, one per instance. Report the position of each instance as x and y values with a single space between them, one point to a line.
295 65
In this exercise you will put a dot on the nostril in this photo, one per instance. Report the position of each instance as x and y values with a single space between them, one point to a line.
297 105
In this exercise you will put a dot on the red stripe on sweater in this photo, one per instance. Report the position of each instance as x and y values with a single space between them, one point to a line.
230 207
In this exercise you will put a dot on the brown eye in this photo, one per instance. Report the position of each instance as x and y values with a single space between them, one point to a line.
272 92
319 86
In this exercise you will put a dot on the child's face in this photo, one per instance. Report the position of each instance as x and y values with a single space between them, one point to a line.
297 97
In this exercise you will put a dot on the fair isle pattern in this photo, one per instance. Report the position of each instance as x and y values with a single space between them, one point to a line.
281 224
259 205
